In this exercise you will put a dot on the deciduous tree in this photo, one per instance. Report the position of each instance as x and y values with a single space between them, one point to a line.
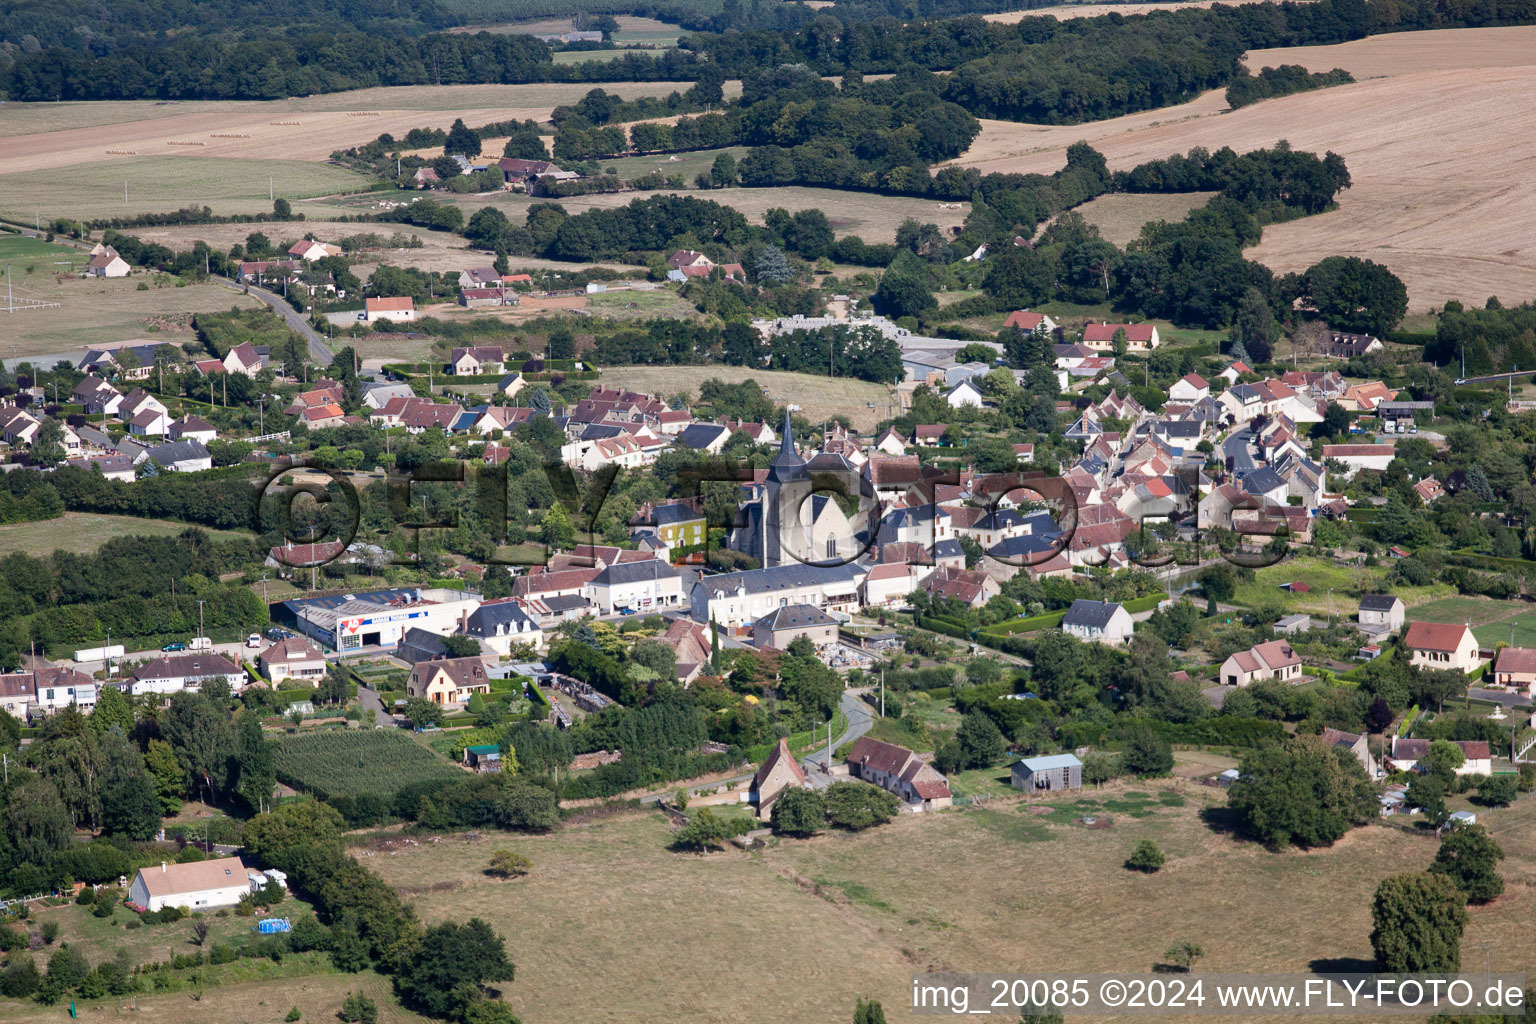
1418 919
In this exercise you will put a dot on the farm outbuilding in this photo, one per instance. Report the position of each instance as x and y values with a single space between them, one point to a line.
1053 772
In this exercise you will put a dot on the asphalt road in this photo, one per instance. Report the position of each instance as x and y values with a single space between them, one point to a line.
859 721
1508 698
295 320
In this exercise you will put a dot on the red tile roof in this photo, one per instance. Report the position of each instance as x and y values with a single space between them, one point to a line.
1435 636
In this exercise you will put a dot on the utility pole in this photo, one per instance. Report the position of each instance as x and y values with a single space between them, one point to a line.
882 693
271 196
200 618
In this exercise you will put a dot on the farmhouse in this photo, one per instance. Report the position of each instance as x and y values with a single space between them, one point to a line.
1406 754
311 250
1357 744
1055 772
1347 346
1274 660
448 680
1138 337
1441 645
1381 613
107 264
1104 621
779 771
195 885
900 771
394 308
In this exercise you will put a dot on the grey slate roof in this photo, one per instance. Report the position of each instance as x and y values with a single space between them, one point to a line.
781 577
634 572
1378 602
503 613
1262 481
178 451
699 436
1090 613
793 616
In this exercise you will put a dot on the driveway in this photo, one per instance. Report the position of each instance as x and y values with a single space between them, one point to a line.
295 320
1508 698
860 718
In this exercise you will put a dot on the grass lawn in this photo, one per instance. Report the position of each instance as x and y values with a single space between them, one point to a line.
927 892
99 938
1479 611
819 398
641 305
93 311
164 183
1498 632
689 165
1347 582
80 532
317 996
47 256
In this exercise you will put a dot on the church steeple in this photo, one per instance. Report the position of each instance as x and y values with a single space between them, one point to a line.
788 462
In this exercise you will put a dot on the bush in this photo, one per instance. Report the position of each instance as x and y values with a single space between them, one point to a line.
1497 791
359 1009
293 1015
49 930
798 812
1146 858
507 864
858 805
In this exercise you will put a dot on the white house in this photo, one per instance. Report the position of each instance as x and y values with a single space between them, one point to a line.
149 423
311 250
182 456
243 359
294 658
108 264
1355 457
1274 660
196 885
889 583
193 428
740 598
500 624
1381 613
647 586
1190 388
1406 753
389 308
966 393
177 672
1103 621
473 360
1437 645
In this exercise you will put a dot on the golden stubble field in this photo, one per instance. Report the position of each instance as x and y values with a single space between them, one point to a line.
48 135
1063 12
1440 168
611 926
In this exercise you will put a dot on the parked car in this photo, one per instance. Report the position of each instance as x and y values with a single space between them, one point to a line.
174 645
278 633
254 640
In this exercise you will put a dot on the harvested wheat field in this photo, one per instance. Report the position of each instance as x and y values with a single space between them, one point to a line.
61 135
1120 216
819 398
925 893
1064 11
873 218
1440 191
1403 53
